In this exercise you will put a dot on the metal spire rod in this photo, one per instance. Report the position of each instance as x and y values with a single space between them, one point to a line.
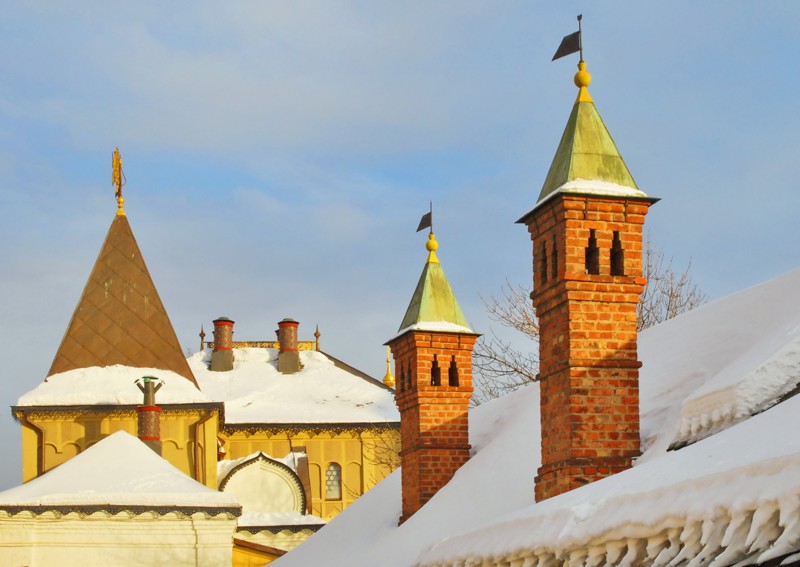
580 35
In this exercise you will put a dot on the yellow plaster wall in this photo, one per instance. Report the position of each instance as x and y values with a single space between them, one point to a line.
245 557
189 438
366 457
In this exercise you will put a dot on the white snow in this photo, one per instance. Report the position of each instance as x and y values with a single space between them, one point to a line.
262 519
440 326
109 385
591 187
255 392
722 362
227 465
733 495
596 187
118 470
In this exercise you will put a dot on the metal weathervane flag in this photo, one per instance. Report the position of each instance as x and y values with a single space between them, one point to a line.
570 44
426 221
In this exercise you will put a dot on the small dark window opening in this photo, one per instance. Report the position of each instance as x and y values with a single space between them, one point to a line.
543 263
555 260
452 373
592 255
436 372
617 256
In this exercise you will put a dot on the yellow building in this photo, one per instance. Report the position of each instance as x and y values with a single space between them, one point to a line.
296 434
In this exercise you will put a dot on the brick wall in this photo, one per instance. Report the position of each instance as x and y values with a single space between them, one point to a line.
433 418
589 367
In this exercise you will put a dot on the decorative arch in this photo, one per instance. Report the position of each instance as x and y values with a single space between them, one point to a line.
265 485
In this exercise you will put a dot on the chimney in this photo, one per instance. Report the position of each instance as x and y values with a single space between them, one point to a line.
587 280
149 414
222 355
288 355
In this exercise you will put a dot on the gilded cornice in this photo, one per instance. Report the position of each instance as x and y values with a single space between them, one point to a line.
118 411
82 511
278 530
292 429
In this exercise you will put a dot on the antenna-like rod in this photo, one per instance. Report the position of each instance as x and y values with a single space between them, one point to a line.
580 35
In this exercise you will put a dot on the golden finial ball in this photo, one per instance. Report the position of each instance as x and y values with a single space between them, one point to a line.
582 78
431 245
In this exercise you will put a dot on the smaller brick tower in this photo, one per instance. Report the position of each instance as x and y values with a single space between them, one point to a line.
433 366
587 248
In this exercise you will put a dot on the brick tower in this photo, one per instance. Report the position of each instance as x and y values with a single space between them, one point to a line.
586 230
433 366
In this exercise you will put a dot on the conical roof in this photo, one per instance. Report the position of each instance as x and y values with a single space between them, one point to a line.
433 306
120 318
587 159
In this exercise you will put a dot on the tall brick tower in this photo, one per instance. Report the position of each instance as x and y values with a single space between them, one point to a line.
586 230
433 368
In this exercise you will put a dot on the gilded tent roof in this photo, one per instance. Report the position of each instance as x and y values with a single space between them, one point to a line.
120 318
433 300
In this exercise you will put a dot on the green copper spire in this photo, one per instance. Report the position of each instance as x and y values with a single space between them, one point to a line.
433 306
586 151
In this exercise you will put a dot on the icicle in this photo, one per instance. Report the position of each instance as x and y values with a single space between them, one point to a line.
655 545
734 538
614 552
764 528
665 557
690 537
711 538
576 558
635 554
597 556
790 522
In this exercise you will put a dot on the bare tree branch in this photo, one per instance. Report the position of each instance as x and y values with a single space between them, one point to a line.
499 368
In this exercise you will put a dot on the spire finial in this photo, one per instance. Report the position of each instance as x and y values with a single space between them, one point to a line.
118 180
431 246
317 335
582 80
388 379
202 339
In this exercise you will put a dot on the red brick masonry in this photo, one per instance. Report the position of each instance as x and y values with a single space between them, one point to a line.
589 368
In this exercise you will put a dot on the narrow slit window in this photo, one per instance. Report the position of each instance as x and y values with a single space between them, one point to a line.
592 255
436 372
555 259
452 373
333 482
617 256
543 263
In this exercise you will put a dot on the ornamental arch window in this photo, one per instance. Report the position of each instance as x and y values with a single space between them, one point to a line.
333 482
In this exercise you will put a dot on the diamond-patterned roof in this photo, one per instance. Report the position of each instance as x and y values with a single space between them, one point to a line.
120 318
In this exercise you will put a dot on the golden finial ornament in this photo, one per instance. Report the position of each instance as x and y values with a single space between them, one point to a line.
317 335
118 180
431 246
388 380
202 339
582 80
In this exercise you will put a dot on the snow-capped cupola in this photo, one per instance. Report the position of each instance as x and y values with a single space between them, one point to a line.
586 230
433 365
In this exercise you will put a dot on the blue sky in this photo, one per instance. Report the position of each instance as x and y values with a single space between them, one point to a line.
279 155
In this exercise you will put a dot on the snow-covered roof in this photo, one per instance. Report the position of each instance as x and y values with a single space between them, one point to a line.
254 392
119 470
110 385
733 494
